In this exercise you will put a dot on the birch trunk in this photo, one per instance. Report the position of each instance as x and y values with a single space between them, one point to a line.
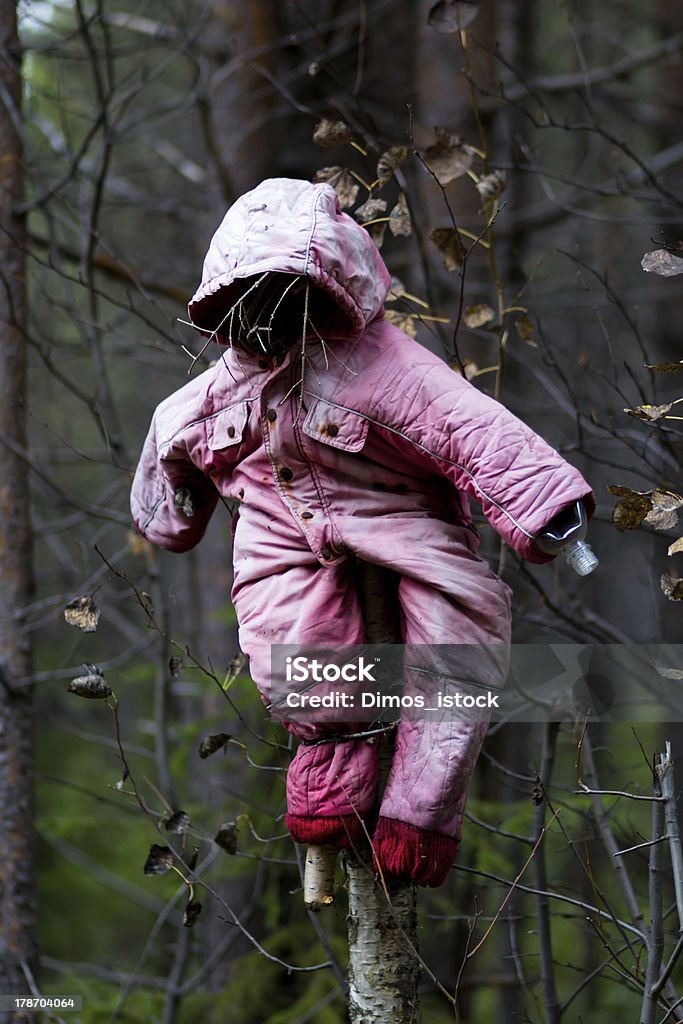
17 889
384 970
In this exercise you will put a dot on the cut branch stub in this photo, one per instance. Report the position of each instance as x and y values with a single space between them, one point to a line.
319 869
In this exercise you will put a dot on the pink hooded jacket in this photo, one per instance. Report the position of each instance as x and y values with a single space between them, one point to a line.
369 446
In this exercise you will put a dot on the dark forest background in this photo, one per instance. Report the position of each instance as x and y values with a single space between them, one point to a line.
534 157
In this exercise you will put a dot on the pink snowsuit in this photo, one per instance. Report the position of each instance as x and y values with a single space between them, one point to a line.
375 456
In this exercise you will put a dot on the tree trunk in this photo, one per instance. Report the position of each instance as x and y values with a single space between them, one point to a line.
383 967
17 899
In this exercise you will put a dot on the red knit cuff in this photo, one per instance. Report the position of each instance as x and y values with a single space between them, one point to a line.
404 850
342 830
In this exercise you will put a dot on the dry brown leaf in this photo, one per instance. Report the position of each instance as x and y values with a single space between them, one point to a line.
342 181
399 218
210 744
676 547
525 329
650 413
672 587
452 15
491 185
657 508
329 133
664 367
397 290
669 673
92 685
403 321
377 233
449 244
662 262
370 209
159 860
226 837
477 316
389 163
449 158
631 509
178 822
83 613
664 512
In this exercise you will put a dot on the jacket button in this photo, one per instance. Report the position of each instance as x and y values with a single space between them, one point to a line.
326 552
286 473
231 431
271 415
332 429
306 515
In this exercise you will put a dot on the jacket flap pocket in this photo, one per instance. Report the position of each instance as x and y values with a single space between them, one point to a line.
341 428
227 427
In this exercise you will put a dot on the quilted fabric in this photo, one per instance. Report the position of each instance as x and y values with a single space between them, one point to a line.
366 447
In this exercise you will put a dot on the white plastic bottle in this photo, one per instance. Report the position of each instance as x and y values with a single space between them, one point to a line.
565 534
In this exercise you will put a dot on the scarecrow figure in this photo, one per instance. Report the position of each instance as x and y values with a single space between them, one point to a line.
339 438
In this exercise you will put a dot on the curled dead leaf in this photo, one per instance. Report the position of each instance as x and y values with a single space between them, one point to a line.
662 262
175 666
452 15
377 233
664 367
342 181
193 909
182 499
664 512
449 158
178 822
226 837
525 329
477 316
491 185
449 244
669 673
631 509
389 163
672 587
657 508
403 321
399 218
397 289
159 860
83 613
676 547
235 666
329 133
650 413
92 685
369 210
210 744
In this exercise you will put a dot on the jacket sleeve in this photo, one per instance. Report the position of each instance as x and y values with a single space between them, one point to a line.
519 480
171 498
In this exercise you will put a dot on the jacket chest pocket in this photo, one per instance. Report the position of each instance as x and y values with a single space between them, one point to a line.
340 428
226 428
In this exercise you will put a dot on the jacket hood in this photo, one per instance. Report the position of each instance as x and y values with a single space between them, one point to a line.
292 227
